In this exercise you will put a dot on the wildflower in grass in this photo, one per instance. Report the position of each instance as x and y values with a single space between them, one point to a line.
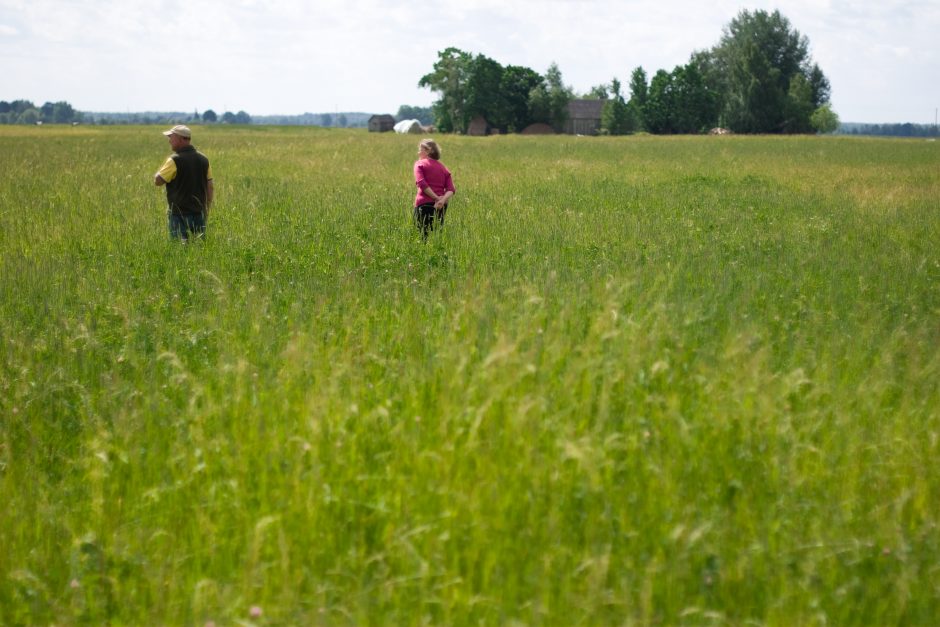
255 611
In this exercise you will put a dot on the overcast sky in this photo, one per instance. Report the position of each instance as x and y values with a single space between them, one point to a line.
882 57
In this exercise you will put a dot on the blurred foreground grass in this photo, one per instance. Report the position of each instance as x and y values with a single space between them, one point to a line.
643 380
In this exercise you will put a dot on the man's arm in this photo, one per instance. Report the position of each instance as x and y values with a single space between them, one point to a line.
210 193
166 173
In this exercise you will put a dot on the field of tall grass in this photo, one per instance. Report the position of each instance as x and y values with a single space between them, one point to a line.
633 381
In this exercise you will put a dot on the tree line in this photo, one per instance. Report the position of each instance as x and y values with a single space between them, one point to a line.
25 112
891 130
149 117
759 78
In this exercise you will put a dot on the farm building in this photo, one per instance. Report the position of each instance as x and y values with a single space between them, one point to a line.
381 123
584 116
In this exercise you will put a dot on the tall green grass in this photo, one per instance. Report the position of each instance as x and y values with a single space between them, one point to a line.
634 380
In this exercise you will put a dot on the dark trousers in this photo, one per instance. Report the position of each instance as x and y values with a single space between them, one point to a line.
182 226
426 215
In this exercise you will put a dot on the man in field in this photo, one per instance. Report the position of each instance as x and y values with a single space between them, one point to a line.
189 190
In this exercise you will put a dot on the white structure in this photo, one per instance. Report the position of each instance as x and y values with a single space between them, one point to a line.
408 126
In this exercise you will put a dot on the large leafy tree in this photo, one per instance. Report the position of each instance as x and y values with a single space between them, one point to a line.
483 95
799 106
660 103
754 69
450 78
515 85
639 93
510 98
679 102
696 106
616 116
549 101
756 96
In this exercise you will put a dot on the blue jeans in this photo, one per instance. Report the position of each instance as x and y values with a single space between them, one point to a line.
182 226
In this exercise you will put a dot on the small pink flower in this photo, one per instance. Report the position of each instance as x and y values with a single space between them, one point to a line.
255 611
210 623
74 585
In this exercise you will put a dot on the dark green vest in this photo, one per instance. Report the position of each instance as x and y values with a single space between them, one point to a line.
186 193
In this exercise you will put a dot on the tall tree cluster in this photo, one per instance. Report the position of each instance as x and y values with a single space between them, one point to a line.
759 78
765 78
510 98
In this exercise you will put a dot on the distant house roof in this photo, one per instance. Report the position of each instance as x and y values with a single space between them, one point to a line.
382 117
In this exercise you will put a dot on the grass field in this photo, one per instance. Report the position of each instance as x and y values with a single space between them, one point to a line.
634 381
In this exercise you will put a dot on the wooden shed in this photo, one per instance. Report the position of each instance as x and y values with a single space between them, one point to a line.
478 126
584 116
381 123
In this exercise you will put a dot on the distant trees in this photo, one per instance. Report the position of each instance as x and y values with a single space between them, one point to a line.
423 114
25 112
236 118
905 129
61 112
509 98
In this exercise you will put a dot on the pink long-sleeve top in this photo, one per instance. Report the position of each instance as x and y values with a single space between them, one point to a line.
433 174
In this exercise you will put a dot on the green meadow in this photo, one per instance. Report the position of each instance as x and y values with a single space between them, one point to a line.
633 381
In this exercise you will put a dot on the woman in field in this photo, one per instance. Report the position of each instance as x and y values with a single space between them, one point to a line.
435 187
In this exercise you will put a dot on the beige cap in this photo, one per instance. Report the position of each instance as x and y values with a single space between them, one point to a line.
181 130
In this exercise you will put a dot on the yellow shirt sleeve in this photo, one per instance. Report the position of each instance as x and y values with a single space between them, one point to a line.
168 170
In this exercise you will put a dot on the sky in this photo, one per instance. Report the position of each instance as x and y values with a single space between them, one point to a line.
882 57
